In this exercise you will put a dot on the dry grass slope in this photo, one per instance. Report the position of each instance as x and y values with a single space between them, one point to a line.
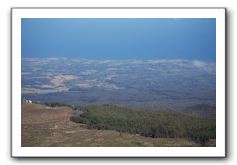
43 126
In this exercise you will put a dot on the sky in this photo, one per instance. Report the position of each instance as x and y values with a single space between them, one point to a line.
119 38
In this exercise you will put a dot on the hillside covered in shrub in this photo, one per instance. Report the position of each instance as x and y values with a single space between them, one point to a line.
155 124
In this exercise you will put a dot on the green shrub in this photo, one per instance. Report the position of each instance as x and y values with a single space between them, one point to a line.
155 124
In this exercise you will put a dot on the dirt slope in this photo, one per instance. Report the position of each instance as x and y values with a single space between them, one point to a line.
44 126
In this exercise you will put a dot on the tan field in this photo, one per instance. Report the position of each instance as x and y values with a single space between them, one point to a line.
44 126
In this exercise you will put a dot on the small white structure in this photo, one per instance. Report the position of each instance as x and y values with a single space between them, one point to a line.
26 101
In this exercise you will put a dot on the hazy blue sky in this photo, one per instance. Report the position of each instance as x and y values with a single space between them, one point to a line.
127 38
